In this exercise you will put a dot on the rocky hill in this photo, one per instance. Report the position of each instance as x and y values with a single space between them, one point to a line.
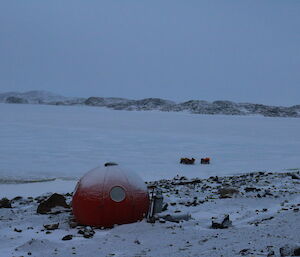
147 104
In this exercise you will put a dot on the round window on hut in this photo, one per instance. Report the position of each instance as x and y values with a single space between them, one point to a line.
117 194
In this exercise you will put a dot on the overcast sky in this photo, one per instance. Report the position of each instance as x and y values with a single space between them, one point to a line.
245 51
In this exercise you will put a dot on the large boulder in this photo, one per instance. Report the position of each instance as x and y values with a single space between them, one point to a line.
5 203
290 250
55 200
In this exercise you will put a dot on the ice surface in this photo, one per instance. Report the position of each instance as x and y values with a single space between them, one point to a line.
38 141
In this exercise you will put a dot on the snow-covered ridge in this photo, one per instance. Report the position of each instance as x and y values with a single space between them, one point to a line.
192 106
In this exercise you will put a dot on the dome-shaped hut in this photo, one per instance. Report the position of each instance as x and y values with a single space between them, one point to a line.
110 195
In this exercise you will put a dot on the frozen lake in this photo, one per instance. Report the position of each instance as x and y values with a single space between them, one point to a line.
39 141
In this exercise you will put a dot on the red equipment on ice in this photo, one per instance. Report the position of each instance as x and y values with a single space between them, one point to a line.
205 160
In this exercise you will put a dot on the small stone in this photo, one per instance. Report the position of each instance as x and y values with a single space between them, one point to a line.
165 207
271 253
51 226
107 164
17 198
244 251
226 223
67 237
251 189
5 203
227 192
88 235
73 224
137 242
87 232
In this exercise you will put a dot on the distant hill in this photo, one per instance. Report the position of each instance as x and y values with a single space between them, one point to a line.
192 106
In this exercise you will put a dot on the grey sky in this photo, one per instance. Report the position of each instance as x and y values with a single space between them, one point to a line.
246 51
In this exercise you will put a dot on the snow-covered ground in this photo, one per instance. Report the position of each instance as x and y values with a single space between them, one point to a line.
264 214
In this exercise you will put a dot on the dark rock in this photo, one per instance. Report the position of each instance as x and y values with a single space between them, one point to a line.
5 203
110 164
193 203
87 235
87 232
54 200
290 250
165 207
161 220
40 199
176 217
188 182
251 189
67 237
17 198
226 223
215 179
256 223
137 242
294 176
297 251
73 224
267 192
271 253
244 251
51 226
80 231
227 192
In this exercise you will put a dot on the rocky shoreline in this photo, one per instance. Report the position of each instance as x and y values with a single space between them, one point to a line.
263 208
148 104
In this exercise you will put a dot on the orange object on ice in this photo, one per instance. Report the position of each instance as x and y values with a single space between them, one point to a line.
109 195
205 160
